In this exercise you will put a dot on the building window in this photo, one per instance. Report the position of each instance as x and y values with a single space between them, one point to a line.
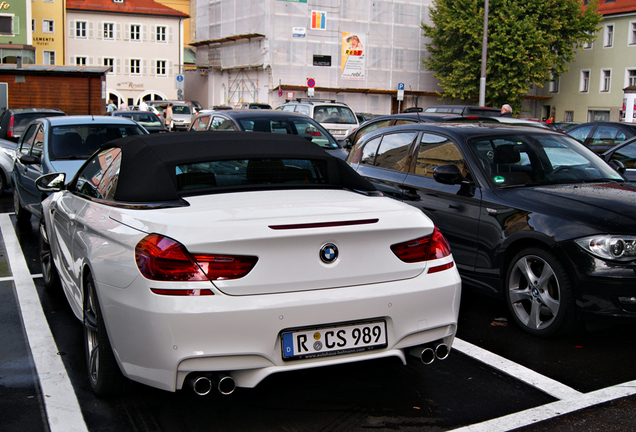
48 57
161 33
80 61
109 31
33 25
606 80
609 36
48 26
161 67
632 33
554 85
585 81
630 78
109 61
569 116
135 66
6 25
135 32
80 29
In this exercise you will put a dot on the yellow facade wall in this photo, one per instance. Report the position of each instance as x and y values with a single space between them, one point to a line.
43 38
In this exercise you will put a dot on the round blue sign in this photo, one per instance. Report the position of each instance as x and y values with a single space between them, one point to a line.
180 78
311 83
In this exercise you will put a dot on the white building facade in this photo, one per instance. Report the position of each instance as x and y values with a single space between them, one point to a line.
143 43
356 51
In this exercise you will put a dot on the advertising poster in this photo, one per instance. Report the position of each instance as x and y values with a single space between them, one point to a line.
353 56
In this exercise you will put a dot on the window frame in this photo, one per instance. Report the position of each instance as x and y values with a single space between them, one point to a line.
50 28
138 66
606 81
110 30
81 29
609 33
584 80
136 33
161 37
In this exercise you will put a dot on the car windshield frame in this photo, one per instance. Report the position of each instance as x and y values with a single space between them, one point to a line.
80 141
520 159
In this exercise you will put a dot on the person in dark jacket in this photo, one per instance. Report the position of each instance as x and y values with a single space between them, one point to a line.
506 111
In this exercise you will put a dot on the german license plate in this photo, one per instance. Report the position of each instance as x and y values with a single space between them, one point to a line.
338 131
335 340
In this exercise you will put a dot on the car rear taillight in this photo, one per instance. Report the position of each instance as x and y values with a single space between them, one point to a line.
427 248
313 132
10 128
164 259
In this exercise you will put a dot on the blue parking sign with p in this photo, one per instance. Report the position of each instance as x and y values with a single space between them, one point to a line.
400 86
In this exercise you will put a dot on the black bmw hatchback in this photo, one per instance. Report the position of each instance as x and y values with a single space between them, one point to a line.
532 216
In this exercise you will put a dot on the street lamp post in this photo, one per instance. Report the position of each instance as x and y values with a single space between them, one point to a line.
484 50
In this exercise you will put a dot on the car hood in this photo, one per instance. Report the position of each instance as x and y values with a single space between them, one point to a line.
602 207
68 167
286 231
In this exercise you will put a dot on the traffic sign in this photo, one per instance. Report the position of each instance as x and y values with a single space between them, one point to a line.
280 93
400 92
400 86
311 83
180 81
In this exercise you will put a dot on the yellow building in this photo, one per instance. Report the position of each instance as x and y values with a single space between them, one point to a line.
48 26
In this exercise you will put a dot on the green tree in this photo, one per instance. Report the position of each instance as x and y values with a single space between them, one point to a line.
529 41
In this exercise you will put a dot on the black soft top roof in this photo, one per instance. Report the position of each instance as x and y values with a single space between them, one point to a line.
148 167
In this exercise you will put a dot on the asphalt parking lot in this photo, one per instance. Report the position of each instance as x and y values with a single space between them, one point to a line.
496 378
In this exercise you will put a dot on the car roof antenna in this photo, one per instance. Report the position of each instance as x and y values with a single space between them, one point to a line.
417 111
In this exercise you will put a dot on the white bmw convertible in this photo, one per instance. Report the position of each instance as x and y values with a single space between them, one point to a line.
216 259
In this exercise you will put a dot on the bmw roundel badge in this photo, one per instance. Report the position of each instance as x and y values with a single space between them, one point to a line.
328 253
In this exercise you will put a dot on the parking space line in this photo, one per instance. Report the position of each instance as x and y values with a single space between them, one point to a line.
60 402
522 373
555 409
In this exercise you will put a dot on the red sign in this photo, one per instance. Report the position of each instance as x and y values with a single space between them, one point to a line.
311 83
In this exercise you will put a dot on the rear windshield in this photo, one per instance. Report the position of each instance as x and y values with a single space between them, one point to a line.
81 141
144 119
250 172
22 119
181 109
305 128
334 114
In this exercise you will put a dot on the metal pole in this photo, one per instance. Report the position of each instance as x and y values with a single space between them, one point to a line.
484 51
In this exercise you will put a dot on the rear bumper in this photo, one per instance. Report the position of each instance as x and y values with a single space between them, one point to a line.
158 340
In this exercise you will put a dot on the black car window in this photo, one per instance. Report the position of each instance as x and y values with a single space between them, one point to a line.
201 123
394 151
627 155
38 142
246 172
581 133
98 178
435 150
368 152
27 140
603 135
220 123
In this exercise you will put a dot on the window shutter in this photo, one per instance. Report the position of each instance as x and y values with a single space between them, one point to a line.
153 33
16 26
117 66
90 61
100 30
72 61
170 34
144 67
144 32
71 28
170 66
127 32
91 30
100 61
127 67
118 31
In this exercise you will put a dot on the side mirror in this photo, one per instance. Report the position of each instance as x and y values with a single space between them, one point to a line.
53 182
618 166
29 160
448 174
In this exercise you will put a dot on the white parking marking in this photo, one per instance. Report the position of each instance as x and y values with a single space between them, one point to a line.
522 373
571 400
62 409
555 409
